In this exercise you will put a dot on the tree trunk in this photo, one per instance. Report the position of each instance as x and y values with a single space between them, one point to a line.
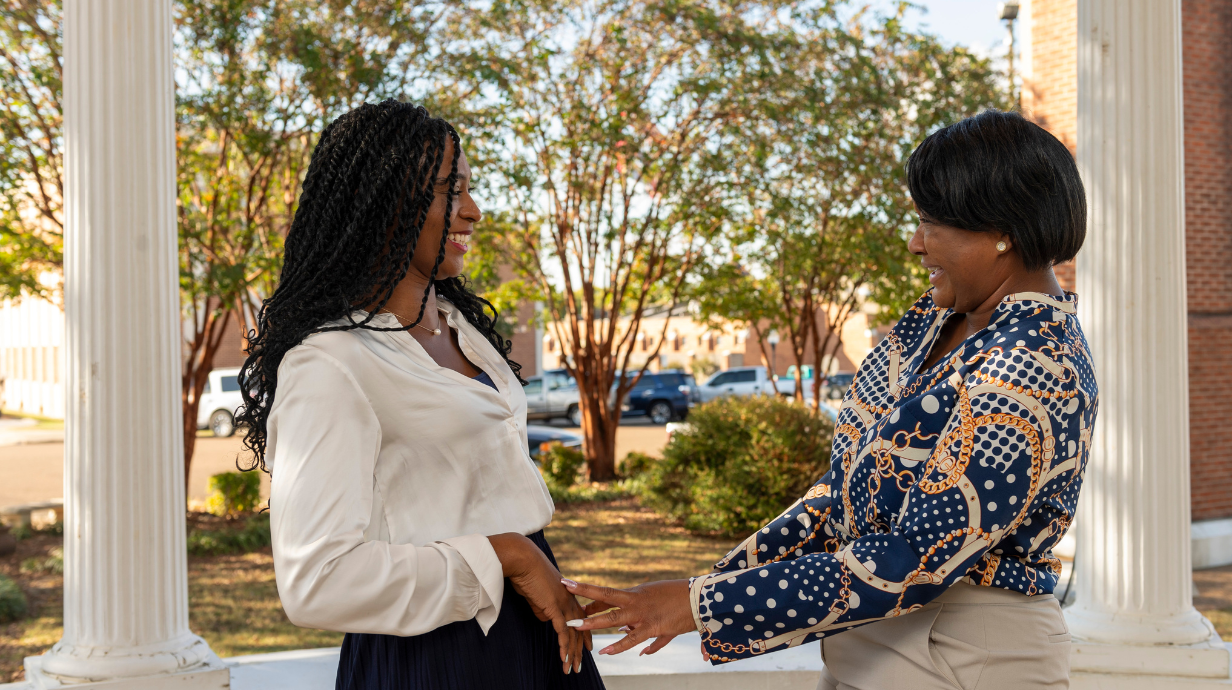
197 366
599 424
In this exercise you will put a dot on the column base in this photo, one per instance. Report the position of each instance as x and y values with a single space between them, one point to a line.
1206 660
211 674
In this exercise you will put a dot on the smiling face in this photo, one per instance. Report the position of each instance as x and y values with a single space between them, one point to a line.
463 216
965 267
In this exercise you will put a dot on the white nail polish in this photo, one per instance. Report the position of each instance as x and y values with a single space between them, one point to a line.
575 623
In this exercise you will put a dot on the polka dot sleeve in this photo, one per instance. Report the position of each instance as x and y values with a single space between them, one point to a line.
802 528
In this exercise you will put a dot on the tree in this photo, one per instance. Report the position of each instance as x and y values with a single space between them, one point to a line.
600 126
819 207
31 148
258 80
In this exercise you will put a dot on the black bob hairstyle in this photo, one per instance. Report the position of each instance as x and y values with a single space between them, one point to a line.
363 204
999 172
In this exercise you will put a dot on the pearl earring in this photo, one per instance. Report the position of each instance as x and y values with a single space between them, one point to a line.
1001 246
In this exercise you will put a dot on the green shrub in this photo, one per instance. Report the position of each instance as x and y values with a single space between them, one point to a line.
25 530
253 534
636 464
54 563
560 466
12 601
590 493
739 464
232 493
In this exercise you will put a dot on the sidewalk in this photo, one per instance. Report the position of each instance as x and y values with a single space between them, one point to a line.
32 461
23 430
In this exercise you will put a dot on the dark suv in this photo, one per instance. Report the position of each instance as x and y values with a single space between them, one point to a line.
663 397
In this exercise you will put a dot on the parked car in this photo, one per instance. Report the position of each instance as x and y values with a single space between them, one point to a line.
220 401
787 382
684 427
662 396
835 386
538 436
552 395
742 381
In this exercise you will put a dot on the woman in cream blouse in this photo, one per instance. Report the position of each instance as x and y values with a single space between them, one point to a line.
405 509
923 559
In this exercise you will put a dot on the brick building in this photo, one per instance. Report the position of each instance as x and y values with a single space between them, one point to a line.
1049 96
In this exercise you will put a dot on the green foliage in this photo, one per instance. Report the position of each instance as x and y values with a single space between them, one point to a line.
52 564
739 464
560 465
13 605
232 493
590 493
595 129
250 535
636 464
819 211
25 530
703 368
31 148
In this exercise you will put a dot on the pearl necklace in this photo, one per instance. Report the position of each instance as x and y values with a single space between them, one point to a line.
433 331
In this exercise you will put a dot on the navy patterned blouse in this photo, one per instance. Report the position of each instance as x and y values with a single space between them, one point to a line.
968 470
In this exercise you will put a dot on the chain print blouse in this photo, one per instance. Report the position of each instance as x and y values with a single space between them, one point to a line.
968 470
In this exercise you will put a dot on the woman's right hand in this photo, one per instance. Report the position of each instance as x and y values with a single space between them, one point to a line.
539 582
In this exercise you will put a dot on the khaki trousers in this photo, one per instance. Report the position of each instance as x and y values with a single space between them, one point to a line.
970 638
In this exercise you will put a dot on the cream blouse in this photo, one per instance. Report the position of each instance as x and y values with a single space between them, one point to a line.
388 472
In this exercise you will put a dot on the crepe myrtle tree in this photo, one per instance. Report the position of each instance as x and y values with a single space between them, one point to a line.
819 211
601 137
31 149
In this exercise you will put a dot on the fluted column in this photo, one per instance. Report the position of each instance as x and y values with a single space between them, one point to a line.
1133 564
125 576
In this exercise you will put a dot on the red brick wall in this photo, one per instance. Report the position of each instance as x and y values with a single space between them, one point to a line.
524 340
231 348
1207 48
1050 98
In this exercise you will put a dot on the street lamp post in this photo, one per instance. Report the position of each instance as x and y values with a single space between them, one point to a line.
773 339
1008 12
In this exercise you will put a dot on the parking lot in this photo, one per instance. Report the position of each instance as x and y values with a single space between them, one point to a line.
35 471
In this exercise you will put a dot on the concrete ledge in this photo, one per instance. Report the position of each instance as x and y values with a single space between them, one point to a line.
211 675
1206 660
678 666
1211 543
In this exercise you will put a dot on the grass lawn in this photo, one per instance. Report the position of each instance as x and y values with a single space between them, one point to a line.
42 423
234 601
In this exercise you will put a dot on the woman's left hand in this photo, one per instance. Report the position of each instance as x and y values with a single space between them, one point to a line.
659 610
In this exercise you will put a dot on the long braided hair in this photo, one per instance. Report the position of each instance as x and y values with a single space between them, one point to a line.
364 202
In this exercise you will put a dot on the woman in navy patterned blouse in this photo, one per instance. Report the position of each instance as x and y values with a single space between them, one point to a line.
923 559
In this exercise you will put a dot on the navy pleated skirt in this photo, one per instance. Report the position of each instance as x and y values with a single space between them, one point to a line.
520 652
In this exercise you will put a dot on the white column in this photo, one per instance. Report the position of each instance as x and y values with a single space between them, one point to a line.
125 576
1134 612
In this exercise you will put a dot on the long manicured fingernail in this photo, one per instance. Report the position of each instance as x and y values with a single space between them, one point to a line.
576 623
624 628
606 650
567 582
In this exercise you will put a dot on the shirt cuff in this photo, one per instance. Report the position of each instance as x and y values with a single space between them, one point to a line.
695 595
478 553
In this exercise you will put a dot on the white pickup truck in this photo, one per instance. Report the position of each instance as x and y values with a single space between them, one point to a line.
756 381
741 381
